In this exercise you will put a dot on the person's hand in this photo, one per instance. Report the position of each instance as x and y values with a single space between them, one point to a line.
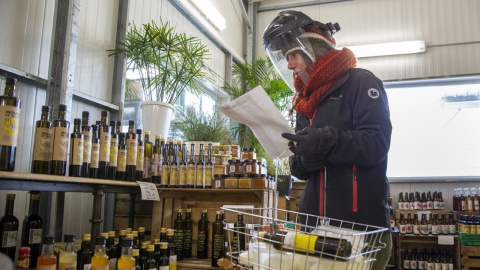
313 162
307 141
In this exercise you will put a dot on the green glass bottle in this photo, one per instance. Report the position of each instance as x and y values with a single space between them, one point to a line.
165 168
94 160
151 262
105 140
84 255
191 168
187 233
179 225
112 163
60 142
10 120
76 150
200 169
147 158
218 239
32 229
202 236
42 147
131 141
140 154
182 168
156 161
174 172
87 143
209 168
122 158
164 262
112 251
9 229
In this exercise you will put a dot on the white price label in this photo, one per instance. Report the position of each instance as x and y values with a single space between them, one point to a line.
149 191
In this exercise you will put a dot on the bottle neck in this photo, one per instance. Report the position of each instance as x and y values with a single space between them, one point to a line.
192 153
127 251
9 207
219 218
131 129
86 245
9 90
35 205
69 247
45 116
47 249
62 115
150 255
100 249
76 128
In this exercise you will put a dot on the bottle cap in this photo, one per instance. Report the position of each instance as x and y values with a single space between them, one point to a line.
111 234
130 235
77 121
123 232
219 212
204 211
45 108
85 114
170 232
156 241
100 240
105 234
129 230
157 137
144 245
188 210
180 211
127 242
135 233
11 81
35 196
49 240
163 245
62 107
141 229
86 237
147 133
113 123
119 123
131 122
135 252
139 131
69 238
163 230
150 248
104 113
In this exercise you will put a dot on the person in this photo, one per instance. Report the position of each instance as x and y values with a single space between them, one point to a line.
342 126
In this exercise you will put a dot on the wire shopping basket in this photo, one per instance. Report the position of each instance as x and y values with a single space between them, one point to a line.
259 240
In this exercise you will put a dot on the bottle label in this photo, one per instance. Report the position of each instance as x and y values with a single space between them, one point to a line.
444 266
46 267
475 204
412 206
248 168
105 138
218 246
9 120
88 267
173 260
112 264
218 184
182 179
463 205
416 229
164 267
451 228
35 236
122 160
9 239
60 147
435 229
87 146
409 228
165 175
232 169
105 267
424 229
200 179
444 229
42 150
402 228
173 175
113 152
473 229
208 175
140 154
413 264
422 264
406 206
132 152
436 205
406 264
424 206
67 266
190 174
438 266
147 167
76 151
95 153
430 266
201 241
155 164
418 205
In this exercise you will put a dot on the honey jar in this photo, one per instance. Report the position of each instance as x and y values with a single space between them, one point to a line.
244 181
250 166
233 166
259 181
219 181
231 181
249 153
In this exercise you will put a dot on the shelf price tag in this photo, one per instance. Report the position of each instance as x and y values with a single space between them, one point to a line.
149 191
445 240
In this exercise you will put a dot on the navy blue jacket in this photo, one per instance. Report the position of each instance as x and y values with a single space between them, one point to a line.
347 177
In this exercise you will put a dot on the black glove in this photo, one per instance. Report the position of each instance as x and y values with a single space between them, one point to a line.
313 162
307 141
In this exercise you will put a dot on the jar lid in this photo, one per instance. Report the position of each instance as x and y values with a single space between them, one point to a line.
248 149
218 175
263 175
231 161
249 161
256 175
244 175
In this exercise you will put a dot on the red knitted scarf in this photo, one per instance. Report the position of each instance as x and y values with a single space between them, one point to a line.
327 71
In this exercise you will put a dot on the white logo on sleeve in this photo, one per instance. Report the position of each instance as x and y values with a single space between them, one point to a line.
373 93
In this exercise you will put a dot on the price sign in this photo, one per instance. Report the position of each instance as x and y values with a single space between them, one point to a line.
149 191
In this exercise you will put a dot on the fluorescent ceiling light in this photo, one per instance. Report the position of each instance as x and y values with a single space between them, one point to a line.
393 48
211 13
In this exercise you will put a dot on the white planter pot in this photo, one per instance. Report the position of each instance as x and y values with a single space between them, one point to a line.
156 117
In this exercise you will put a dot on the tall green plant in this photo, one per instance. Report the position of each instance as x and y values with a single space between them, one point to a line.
167 62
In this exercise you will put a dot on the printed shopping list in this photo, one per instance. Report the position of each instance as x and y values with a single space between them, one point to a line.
256 110
149 191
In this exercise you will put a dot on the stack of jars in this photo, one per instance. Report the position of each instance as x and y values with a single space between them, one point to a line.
244 173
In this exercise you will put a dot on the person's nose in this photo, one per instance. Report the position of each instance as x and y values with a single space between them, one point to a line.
291 63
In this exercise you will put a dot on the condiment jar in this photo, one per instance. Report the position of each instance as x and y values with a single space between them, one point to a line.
219 181
233 166
244 181
235 151
259 181
249 153
250 166
231 181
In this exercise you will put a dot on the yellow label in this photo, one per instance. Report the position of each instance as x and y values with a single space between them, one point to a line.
300 242
113 152
208 175
9 119
94 158
200 179
140 154
165 175
173 175
60 146
182 179
87 146
105 139
122 160
190 174
132 152
42 149
76 151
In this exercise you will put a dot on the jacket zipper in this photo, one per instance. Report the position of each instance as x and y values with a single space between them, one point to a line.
321 204
354 189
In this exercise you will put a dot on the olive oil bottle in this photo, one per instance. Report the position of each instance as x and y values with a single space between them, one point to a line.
122 158
191 168
147 158
182 168
140 154
174 172
95 153
9 120
156 161
209 168
32 229
60 142
87 143
165 168
9 229
200 169
131 141
76 149
187 233
218 239
84 255
42 147
112 164
202 237
179 225
105 139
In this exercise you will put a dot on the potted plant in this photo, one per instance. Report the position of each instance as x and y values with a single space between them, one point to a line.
167 63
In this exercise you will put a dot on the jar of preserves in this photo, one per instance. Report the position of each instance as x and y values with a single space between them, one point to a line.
227 150
235 149
219 181
250 166
231 181
216 149
249 153
233 166
244 181
259 181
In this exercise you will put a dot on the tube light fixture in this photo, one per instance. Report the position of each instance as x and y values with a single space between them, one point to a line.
393 48
211 13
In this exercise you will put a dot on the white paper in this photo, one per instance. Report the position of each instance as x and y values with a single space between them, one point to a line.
149 191
445 240
256 110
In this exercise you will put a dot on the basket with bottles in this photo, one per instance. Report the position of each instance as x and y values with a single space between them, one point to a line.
260 240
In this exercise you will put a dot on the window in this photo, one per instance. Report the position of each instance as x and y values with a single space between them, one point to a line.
436 130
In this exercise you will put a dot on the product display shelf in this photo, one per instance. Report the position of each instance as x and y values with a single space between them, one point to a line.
470 257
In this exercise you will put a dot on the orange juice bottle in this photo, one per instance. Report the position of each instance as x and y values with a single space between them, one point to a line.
47 260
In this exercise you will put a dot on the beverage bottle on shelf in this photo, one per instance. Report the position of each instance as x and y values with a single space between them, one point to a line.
218 239
121 234
417 202
444 259
100 260
173 179
136 258
163 235
47 259
200 169
172 249
406 204
131 140
140 155
436 204
475 202
135 239
42 147
462 202
414 259
9 120
121 172
461 223
409 225
416 224
84 255
67 258
191 167
239 235
87 143
392 214
95 153
111 251
151 262
179 225
163 263
430 224
437 260
468 200
187 232
23 260
143 252
455 199
202 238
209 167
451 224
450 261
400 201
58 165
105 136
411 200
435 225
76 150
182 168
9 229
165 168
429 201
156 161
441 202
141 234
156 244
444 225
406 260
422 263
170 150
430 263
179 147
126 260
473 225
32 230
424 225
147 159
402 227
424 201
113 161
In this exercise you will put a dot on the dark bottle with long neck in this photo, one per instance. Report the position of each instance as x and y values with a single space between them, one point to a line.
191 168
179 225
42 147
32 230
172 249
165 168
140 154
76 150
60 142
147 158
112 250
122 158
200 169
187 233
112 163
218 239
239 235
105 140
209 168
131 141
173 180
164 258
9 229
87 143
95 153
9 120
156 161
84 255
151 262
182 168
202 237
